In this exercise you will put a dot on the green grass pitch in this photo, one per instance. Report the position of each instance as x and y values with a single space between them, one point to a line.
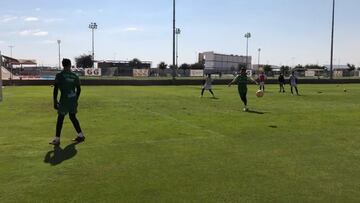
165 144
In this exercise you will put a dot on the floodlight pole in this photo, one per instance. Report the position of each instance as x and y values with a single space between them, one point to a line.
178 32
247 36
93 26
174 33
11 48
259 50
59 42
332 41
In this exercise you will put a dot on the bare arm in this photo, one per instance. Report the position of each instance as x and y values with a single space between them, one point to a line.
253 80
233 81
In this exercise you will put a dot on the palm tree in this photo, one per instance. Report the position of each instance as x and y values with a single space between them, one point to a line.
162 66
135 63
351 67
184 67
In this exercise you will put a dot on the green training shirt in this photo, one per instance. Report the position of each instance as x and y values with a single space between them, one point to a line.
67 83
242 80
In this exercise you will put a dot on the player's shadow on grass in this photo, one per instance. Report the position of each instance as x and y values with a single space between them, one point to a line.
255 112
58 155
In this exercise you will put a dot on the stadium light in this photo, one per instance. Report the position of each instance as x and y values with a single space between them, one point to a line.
259 50
11 48
174 33
93 26
59 42
177 32
332 41
247 36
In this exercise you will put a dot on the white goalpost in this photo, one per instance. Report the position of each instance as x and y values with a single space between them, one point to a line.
1 85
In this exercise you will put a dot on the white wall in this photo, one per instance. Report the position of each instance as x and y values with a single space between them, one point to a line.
5 74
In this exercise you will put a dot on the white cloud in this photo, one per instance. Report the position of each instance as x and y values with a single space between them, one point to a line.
131 29
7 18
37 9
100 10
30 19
25 32
36 33
2 42
53 20
40 34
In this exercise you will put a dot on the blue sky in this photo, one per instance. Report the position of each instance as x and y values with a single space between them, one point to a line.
288 31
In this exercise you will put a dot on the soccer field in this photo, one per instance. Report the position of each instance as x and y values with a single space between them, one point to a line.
165 144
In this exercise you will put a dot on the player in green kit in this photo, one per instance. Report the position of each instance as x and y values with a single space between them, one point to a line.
242 80
69 85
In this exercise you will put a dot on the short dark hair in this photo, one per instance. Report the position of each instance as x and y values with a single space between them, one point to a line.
66 62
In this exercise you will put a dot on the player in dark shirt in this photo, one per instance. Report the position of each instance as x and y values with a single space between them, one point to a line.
282 83
69 85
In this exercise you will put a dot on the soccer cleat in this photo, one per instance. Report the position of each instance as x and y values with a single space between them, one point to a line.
79 139
245 109
55 142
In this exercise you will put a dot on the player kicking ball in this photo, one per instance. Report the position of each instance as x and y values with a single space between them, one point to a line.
69 85
242 80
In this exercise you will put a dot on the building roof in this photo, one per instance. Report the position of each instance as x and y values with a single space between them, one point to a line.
337 67
212 52
120 61
15 61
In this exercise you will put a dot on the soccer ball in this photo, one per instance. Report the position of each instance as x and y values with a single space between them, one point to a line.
259 93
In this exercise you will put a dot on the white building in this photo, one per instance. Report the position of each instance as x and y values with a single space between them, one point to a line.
222 63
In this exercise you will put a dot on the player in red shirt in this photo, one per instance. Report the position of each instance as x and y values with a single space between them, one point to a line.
262 79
